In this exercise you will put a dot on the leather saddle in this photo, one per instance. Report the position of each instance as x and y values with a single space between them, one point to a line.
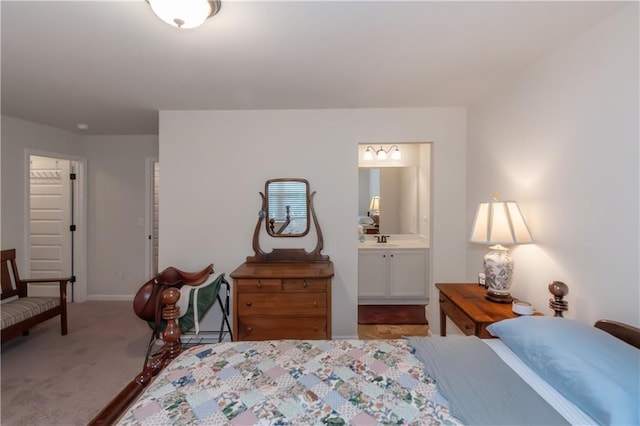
147 303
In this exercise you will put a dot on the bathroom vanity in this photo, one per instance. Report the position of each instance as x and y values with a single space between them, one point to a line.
395 272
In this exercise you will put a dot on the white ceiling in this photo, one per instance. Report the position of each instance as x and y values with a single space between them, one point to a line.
113 65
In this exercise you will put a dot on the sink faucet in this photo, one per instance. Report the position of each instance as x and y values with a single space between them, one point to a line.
382 238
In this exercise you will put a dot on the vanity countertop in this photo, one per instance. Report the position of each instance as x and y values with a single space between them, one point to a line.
372 244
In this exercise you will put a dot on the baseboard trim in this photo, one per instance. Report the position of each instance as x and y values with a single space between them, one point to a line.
111 297
350 337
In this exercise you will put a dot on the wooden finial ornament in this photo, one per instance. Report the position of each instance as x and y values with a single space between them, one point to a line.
559 290
170 312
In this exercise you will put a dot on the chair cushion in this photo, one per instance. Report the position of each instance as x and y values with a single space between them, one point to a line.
20 309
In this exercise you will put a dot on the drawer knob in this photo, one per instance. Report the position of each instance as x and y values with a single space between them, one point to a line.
315 304
259 285
304 284
315 328
249 328
249 303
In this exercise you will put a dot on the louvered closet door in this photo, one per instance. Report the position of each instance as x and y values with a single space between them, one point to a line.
50 218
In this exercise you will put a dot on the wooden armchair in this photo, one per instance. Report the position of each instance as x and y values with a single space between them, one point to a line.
21 313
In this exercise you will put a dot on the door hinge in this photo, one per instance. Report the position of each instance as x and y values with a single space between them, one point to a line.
72 279
72 228
72 176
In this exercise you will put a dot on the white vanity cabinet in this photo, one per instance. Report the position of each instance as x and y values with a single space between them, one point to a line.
392 274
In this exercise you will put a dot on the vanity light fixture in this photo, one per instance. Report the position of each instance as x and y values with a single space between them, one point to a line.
185 14
497 223
381 154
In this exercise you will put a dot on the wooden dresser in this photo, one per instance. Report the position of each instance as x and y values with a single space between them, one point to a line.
282 300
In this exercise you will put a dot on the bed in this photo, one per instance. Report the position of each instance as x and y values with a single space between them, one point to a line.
541 370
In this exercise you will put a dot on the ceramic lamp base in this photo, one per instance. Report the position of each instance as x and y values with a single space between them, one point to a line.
498 269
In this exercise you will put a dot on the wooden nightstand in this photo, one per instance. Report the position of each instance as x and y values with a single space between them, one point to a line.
466 306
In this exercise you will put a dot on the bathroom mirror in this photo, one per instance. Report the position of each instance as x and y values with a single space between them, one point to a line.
397 189
287 207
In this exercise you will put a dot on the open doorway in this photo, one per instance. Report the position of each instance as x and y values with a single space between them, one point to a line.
394 204
153 219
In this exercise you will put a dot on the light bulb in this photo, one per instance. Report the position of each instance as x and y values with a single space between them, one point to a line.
182 14
395 155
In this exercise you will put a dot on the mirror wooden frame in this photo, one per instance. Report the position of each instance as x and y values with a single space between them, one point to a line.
288 254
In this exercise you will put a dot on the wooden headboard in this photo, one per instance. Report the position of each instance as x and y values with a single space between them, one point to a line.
625 332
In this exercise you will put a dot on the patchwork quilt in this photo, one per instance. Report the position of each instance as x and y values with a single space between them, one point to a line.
336 382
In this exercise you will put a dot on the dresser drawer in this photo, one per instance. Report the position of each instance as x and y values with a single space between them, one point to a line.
284 284
270 328
459 318
304 284
291 303
258 285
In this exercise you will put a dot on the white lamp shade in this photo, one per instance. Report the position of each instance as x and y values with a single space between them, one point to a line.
375 204
182 13
500 222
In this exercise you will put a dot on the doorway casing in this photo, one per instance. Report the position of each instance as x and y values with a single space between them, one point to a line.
80 219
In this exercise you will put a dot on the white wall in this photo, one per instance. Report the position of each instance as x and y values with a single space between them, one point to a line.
18 137
214 163
116 200
117 214
563 142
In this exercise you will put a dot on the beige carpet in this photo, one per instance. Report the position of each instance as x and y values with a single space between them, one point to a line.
49 379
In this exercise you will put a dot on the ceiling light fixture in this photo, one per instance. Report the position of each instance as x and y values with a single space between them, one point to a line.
185 14
381 154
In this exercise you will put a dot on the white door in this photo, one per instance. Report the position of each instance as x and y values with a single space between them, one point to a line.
50 219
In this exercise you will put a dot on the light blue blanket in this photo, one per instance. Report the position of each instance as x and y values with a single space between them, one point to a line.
480 387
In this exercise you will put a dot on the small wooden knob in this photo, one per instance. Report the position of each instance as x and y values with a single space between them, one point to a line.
304 284
315 328
249 303
249 328
259 285
315 304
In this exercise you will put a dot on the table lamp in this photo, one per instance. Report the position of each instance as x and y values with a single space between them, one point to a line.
375 208
497 223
